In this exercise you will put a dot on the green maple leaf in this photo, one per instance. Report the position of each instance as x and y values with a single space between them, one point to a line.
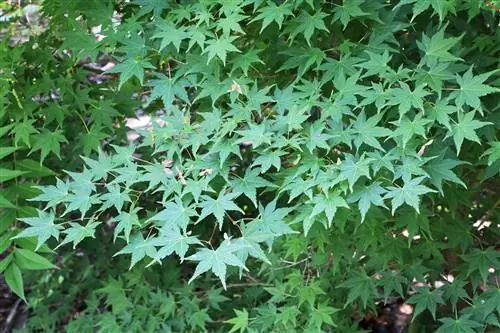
91 141
129 68
410 194
172 240
245 60
322 315
168 89
256 134
493 152
216 260
272 13
441 169
219 206
101 167
220 47
169 34
51 194
425 299
441 111
481 261
471 88
377 65
316 137
367 196
125 222
47 142
42 227
23 131
407 128
174 214
307 24
360 286
465 128
352 169
328 204
406 99
391 282
230 23
139 248
114 197
240 322
367 131
459 325
148 6
249 184
77 232
455 291
348 10
436 48
268 159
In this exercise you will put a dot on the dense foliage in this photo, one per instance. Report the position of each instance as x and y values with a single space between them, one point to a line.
305 159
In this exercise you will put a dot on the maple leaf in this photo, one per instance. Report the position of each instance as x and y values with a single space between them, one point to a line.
216 261
41 227
328 204
360 286
220 47
465 128
174 214
138 247
410 194
51 194
352 169
272 13
240 322
458 325
471 88
172 240
47 142
249 184
126 220
129 68
367 131
219 206
77 232
367 196
169 34
425 299
440 169
348 10
168 89
436 48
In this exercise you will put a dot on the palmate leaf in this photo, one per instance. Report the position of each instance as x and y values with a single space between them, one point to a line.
53 195
216 260
465 128
273 13
360 286
220 47
410 193
171 240
249 184
240 322
175 214
425 299
139 248
352 169
367 196
126 220
129 68
48 142
436 48
218 207
471 88
328 204
460 325
77 233
441 169
41 227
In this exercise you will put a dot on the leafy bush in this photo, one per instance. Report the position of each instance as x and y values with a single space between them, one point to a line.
310 157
